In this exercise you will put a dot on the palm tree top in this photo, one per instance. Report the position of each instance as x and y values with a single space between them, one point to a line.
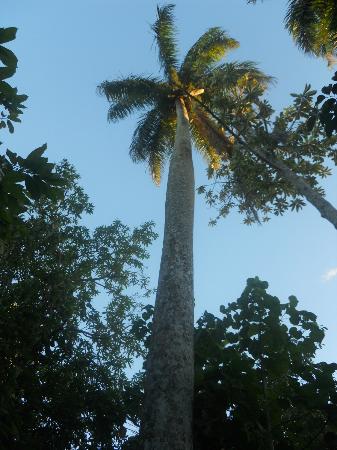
200 73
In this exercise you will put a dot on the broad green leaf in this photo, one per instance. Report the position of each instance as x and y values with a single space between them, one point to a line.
7 57
37 153
7 34
7 72
10 126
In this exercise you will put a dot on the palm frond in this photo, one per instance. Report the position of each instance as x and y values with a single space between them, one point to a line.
153 140
300 20
312 23
164 31
210 139
209 49
130 94
226 76
202 145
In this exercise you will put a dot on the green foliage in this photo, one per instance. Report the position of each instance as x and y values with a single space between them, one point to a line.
313 26
209 49
244 181
23 180
63 352
256 378
327 112
11 103
201 70
153 140
228 77
131 94
164 32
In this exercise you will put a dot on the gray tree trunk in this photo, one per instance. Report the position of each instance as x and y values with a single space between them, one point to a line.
325 208
167 412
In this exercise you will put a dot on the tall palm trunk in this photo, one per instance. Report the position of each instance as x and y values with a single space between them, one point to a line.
167 414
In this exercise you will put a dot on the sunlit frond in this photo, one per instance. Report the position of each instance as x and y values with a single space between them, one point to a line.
165 32
130 94
202 145
226 76
209 49
234 75
153 140
210 139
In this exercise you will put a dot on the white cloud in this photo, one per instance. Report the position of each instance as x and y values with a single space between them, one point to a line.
330 274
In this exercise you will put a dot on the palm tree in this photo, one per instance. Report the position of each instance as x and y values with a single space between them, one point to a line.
313 26
166 130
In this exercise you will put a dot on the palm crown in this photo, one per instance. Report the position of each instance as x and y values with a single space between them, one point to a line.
200 74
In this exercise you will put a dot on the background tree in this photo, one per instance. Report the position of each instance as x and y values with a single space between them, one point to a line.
275 161
257 382
326 108
163 132
64 354
11 103
313 26
21 179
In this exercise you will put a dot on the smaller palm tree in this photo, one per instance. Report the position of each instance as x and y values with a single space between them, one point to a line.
171 121
313 25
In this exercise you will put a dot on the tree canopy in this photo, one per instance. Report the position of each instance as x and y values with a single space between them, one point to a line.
258 384
313 26
72 314
326 108
200 74
257 379
21 179
11 103
250 180
68 297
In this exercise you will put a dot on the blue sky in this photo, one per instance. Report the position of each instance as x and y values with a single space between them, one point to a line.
66 49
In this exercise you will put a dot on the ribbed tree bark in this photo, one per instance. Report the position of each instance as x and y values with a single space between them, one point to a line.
167 412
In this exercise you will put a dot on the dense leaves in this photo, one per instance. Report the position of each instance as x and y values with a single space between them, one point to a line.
21 179
11 103
313 25
257 382
68 297
248 182
326 111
